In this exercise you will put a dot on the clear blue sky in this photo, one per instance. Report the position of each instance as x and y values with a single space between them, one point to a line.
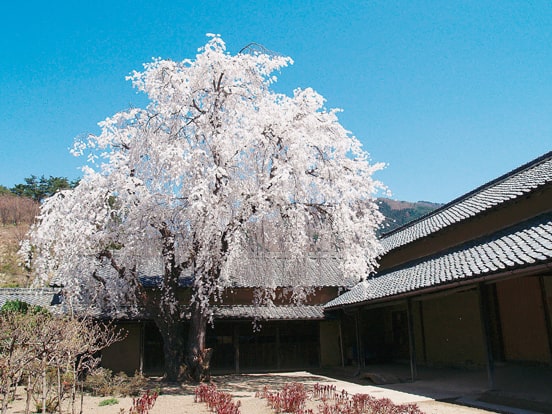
450 94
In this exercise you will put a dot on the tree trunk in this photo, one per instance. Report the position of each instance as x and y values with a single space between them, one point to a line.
172 332
44 385
169 319
29 395
5 396
197 357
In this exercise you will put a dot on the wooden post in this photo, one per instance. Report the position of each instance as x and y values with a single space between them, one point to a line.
358 343
236 348
278 359
486 326
142 345
423 331
341 344
546 309
319 344
411 341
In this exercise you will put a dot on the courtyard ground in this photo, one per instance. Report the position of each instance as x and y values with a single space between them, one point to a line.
176 398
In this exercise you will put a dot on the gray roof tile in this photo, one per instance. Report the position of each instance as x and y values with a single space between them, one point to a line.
272 271
291 312
518 246
518 182
47 297
275 312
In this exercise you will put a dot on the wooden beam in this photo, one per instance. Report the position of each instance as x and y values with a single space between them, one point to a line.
423 331
341 345
486 327
358 342
278 359
411 341
236 348
142 345
546 309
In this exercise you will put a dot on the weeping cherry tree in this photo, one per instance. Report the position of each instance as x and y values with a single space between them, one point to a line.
217 168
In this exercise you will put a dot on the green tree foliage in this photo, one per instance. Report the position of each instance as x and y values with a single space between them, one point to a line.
22 307
40 188
15 306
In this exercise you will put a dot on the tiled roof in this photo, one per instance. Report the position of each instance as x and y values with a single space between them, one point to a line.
528 243
153 281
518 182
47 297
274 271
290 312
275 312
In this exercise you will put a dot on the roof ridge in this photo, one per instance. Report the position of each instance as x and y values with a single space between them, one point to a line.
519 246
466 197
28 289
251 305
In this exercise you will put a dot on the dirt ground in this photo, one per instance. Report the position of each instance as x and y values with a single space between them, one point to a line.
11 274
176 398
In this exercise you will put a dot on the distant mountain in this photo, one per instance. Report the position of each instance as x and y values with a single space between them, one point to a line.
399 213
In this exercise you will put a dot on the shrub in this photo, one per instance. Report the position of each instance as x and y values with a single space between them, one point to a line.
98 382
324 391
293 397
217 401
22 307
109 401
143 404
101 382
129 386
51 405
15 306
50 354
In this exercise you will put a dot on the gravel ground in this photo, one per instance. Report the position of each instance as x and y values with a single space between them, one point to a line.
178 398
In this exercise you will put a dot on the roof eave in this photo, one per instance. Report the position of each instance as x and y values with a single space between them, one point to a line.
488 278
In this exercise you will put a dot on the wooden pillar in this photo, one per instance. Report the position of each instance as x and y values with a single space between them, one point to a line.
411 341
278 359
423 331
546 309
358 342
482 291
341 343
142 346
237 348
319 344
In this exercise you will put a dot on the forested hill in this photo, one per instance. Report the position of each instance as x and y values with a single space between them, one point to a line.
398 213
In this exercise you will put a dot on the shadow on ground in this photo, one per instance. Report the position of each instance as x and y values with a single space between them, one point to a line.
245 384
517 387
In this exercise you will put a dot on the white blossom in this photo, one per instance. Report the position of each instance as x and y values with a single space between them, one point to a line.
216 169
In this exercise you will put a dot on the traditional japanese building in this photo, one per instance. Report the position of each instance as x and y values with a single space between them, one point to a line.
249 336
468 285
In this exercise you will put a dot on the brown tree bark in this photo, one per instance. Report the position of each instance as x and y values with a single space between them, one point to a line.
172 332
168 318
197 356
